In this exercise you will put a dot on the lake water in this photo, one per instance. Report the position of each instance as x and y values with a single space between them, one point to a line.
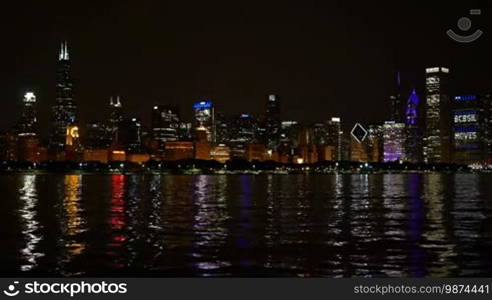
396 225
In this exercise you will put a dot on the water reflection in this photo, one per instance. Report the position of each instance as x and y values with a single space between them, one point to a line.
468 218
30 225
117 221
437 240
209 224
74 224
339 225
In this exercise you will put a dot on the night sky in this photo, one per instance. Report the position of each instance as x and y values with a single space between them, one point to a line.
324 58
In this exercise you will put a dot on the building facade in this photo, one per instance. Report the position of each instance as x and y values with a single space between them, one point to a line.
471 118
394 141
437 133
204 119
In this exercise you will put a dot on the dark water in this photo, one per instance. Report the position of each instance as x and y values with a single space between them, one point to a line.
285 225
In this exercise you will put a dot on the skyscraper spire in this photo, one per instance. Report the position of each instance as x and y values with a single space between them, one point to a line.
64 51
67 57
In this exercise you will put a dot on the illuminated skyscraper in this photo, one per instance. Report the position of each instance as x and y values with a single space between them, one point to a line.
471 132
375 147
334 136
165 124
115 117
272 123
437 133
64 112
394 141
222 128
413 143
205 119
242 131
28 125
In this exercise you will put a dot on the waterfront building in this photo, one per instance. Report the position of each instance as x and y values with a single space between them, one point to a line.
437 133
394 141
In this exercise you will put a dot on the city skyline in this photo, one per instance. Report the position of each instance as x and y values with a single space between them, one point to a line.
307 55
445 128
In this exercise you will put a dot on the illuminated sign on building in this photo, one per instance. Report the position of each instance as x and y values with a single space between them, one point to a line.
203 104
466 116
72 135
436 70
466 98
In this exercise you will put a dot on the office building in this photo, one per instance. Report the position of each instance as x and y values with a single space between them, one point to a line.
471 128
204 118
413 142
131 135
165 125
394 141
64 112
437 133
272 123
28 125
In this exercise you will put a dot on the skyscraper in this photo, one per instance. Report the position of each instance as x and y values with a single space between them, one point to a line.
115 117
204 119
131 135
413 142
471 118
334 136
394 141
437 133
272 123
375 146
64 112
98 136
165 124
242 132
28 125
222 128
396 101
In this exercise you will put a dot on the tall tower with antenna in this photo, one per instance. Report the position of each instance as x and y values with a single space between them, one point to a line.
64 112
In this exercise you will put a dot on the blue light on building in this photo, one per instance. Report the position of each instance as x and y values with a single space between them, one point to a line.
466 98
202 105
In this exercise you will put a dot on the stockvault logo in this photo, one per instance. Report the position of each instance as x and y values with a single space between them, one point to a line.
11 290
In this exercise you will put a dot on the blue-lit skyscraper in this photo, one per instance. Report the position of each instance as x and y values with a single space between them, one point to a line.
413 143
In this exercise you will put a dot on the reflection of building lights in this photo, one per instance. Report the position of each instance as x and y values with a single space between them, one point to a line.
74 218
118 152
